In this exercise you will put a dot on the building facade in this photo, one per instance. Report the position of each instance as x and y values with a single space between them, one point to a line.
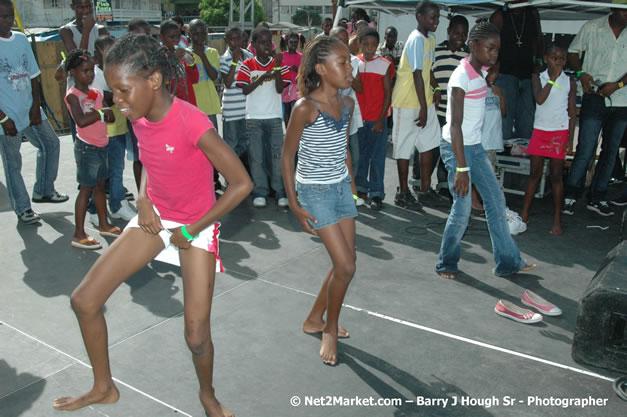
55 13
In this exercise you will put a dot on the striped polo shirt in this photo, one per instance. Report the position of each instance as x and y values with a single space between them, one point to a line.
476 90
233 100
372 73
445 63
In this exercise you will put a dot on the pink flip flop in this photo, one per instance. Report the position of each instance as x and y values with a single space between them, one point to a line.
533 300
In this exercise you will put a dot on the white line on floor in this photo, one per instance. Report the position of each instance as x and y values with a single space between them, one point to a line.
36 381
87 366
453 336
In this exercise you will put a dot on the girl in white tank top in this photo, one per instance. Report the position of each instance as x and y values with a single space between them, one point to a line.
553 130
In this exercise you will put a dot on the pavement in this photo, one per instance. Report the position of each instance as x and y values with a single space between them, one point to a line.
420 345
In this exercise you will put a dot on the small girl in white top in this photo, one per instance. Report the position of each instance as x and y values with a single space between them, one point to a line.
553 130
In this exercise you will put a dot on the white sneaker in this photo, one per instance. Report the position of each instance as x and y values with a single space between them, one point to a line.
283 202
515 223
360 202
125 212
259 202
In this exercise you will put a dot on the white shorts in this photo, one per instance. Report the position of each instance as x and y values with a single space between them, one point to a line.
206 240
406 135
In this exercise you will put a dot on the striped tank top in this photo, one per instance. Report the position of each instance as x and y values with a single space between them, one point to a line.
322 149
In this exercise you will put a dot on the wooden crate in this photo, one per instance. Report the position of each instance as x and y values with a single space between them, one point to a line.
48 56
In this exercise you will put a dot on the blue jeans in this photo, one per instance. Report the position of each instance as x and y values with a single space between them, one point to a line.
593 117
47 143
521 107
265 143
234 134
506 252
372 148
116 149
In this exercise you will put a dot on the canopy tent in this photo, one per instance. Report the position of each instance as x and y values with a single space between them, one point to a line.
549 9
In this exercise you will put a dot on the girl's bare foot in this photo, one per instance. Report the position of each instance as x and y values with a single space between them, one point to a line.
313 327
328 349
524 216
446 275
528 267
110 396
556 229
212 406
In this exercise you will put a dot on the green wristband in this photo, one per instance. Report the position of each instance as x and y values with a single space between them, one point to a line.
579 74
187 235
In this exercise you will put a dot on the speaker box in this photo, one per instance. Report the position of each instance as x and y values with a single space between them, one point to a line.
600 338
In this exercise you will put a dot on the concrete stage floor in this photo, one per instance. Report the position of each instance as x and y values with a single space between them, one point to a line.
417 340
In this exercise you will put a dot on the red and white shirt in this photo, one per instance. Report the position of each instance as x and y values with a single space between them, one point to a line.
264 102
371 74
476 89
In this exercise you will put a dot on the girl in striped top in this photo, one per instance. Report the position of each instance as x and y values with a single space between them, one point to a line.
318 129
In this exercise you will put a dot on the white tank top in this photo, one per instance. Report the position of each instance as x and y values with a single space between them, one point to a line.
77 36
552 115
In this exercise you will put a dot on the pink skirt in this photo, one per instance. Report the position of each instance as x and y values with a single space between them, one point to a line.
550 144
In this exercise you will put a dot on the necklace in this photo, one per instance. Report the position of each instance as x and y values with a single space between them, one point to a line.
522 28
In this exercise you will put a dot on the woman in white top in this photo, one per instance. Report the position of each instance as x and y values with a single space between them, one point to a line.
553 130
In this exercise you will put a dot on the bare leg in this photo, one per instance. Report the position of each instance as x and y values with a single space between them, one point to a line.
80 211
339 239
198 269
127 255
426 168
556 173
314 323
402 166
288 112
535 175
100 201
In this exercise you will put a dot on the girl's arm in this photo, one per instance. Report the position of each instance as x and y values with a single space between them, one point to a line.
301 116
572 115
240 185
540 94
456 101
89 118
148 219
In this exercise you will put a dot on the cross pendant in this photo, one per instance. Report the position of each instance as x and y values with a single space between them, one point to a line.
519 43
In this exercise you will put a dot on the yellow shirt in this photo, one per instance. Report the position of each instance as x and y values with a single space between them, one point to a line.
119 127
207 98
418 53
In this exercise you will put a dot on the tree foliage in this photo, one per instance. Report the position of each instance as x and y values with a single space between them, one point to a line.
306 18
216 12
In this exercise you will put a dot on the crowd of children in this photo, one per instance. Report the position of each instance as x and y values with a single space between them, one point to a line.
159 102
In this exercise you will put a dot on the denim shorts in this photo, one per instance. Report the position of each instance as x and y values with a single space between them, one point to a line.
91 163
328 203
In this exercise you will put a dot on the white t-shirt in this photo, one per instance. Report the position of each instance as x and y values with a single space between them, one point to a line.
475 87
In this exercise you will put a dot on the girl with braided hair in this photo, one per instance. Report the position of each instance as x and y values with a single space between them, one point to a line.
90 147
318 129
467 161
178 212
